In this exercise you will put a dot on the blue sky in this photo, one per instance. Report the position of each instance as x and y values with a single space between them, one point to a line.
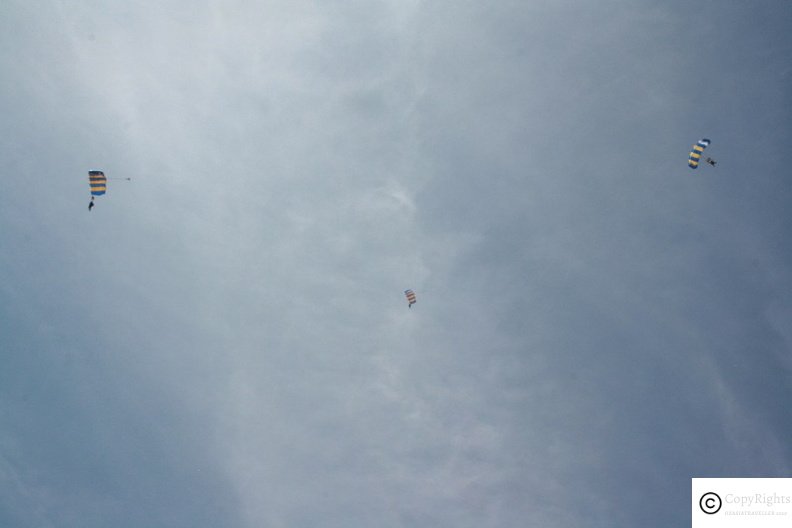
224 341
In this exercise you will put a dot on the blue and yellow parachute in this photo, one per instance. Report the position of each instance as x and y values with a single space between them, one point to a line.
695 154
98 183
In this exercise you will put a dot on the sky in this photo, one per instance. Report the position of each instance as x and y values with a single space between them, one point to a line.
224 339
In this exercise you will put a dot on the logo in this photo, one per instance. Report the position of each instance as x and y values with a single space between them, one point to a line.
710 503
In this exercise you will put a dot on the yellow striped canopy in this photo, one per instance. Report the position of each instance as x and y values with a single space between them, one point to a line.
98 183
695 154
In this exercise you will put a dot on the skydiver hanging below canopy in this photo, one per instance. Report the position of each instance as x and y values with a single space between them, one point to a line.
711 161
91 205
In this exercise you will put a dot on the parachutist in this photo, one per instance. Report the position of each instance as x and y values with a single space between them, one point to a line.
90 205
711 161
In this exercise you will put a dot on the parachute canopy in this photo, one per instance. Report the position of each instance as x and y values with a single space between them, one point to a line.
410 297
98 183
695 154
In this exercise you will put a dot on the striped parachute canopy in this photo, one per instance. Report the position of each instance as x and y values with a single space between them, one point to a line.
695 154
410 297
98 183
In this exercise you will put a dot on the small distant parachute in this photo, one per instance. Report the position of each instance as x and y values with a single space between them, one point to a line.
410 297
98 183
695 154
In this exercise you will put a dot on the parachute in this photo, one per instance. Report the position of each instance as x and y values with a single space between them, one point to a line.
695 154
410 297
98 183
